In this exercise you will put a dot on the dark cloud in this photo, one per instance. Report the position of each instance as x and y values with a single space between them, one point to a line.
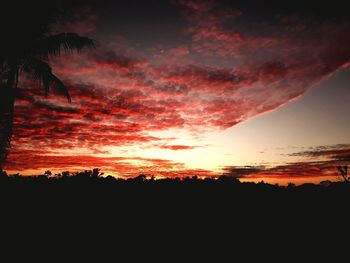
311 8
286 171
242 171
339 152
323 163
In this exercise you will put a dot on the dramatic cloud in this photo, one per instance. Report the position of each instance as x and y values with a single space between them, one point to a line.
219 74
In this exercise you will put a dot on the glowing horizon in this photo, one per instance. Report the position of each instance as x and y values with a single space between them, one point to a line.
213 90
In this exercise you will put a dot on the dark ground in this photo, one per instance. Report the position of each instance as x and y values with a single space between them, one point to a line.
88 191
181 220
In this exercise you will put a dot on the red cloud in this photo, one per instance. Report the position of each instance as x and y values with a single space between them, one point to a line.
41 160
179 51
177 147
216 77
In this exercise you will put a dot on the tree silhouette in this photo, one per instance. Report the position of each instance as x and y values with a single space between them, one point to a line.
344 172
25 49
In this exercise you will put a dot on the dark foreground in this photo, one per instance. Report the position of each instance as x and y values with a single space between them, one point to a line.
89 192
174 216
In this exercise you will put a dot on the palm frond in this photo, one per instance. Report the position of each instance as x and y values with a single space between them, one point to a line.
40 71
52 46
59 85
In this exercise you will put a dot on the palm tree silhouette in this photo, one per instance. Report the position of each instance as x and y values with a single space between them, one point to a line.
29 54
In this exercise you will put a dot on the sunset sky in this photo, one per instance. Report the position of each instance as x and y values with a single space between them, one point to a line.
181 88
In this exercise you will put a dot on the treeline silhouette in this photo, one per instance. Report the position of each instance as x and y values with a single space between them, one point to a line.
79 183
146 211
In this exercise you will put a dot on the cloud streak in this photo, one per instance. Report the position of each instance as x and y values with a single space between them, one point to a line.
321 161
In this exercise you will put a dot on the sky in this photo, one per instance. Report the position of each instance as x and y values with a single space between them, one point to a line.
183 87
